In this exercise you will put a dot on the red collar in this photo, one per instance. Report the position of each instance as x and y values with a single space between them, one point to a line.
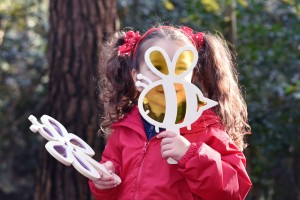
133 120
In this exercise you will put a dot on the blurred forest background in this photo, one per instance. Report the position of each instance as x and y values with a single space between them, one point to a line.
48 58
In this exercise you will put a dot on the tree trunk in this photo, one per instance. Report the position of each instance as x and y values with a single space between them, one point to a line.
233 26
77 28
230 12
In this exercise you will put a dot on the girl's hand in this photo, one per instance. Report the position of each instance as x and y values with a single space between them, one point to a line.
106 181
173 145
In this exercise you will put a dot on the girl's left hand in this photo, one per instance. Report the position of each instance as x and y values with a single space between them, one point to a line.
173 145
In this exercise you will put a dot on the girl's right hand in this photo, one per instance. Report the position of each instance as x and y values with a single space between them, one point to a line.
106 181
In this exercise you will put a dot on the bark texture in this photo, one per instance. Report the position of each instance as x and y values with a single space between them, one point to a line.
77 28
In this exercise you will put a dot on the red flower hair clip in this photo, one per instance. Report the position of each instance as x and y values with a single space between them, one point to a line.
130 41
197 38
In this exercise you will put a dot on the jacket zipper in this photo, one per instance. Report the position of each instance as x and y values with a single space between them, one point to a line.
141 165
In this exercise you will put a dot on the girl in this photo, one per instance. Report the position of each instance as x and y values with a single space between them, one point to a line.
211 165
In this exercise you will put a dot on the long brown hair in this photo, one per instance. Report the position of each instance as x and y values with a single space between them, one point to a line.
215 74
218 78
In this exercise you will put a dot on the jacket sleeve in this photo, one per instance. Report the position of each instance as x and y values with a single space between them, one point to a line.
215 169
110 153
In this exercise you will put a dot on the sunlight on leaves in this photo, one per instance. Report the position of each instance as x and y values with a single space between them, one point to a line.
168 5
289 1
243 3
211 5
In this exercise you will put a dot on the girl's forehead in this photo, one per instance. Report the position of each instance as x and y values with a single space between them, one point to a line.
170 46
166 43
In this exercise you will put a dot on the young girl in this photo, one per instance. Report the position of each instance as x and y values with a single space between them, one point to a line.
211 165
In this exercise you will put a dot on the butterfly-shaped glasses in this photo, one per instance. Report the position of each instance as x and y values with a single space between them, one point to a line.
68 148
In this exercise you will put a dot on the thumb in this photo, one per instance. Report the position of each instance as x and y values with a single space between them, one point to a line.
109 166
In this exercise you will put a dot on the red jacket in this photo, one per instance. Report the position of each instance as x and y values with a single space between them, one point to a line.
212 169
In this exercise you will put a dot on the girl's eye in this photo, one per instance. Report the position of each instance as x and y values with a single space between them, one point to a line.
158 67
158 61
181 68
184 61
161 68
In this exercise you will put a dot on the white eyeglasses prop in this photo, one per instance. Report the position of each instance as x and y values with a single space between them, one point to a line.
68 148
174 89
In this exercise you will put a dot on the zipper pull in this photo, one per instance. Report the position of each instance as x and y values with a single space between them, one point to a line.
143 154
145 147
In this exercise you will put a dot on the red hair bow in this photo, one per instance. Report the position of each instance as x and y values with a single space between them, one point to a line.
197 38
130 40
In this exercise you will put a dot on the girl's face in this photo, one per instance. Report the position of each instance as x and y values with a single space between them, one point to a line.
156 97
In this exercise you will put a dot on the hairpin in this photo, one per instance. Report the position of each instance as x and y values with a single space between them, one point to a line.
132 39
197 38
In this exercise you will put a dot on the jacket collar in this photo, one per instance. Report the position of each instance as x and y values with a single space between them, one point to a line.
133 120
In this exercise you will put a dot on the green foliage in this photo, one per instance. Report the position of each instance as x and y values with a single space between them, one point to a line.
269 53
23 77
268 44
268 56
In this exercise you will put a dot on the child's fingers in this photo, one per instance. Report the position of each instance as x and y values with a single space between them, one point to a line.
166 141
109 166
103 183
106 177
165 134
166 147
104 180
166 153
